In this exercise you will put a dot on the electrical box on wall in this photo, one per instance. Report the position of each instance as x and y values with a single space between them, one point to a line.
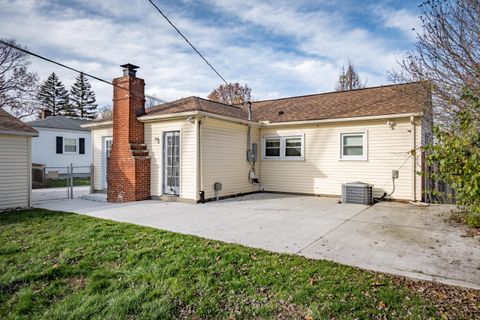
395 174
252 153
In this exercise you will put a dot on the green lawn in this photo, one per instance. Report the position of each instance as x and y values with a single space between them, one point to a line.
64 266
57 183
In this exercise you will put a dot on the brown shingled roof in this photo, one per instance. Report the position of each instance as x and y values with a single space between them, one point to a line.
11 125
374 101
385 100
198 104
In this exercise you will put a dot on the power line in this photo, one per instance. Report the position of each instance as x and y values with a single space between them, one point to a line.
70 68
185 38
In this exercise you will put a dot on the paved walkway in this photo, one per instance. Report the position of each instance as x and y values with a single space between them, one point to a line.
58 193
396 238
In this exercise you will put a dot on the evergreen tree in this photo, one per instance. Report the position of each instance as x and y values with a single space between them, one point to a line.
349 79
82 98
53 96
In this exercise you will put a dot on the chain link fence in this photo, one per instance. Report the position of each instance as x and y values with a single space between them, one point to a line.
55 183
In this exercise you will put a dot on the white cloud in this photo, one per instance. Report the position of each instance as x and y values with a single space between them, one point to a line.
102 34
402 20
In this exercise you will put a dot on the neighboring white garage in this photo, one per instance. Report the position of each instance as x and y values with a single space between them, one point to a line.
15 162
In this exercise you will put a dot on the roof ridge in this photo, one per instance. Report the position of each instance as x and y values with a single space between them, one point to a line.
221 103
58 116
197 104
339 92
159 106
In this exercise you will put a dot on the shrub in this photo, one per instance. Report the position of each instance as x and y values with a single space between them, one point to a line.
456 156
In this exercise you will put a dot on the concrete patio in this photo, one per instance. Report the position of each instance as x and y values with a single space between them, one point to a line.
396 238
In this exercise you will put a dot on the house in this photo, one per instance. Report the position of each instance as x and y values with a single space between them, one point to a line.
15 162
194 149
61 141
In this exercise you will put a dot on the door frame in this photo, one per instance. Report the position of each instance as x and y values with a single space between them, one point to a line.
163 163
104 161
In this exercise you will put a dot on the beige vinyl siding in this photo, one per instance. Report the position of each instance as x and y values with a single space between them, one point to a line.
97 154
224 147
188 156
322 171
15 167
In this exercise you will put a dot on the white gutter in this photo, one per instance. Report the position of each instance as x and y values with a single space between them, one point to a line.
105 123
386 116
154 117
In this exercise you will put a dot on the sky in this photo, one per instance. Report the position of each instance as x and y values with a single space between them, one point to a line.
278 48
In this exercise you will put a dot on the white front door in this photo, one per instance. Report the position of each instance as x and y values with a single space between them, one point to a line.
106 148
171 162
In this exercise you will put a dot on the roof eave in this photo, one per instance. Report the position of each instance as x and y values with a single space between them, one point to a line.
57 128
19 133
93 125
360 118
180 115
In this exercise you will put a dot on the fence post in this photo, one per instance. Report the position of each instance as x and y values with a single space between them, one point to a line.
71 180
92 189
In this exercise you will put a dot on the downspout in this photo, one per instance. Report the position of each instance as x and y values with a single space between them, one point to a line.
198 125
29 158
249 116
414 158
250 159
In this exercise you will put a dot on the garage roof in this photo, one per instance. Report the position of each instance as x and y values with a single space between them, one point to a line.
11 125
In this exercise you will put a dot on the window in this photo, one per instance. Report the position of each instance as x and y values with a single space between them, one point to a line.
283 147
69 145
293 147
272 147
353 146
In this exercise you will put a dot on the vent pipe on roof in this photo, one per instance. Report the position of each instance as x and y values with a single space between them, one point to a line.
249 111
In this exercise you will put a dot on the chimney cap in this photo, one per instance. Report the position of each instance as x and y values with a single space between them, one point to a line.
129 69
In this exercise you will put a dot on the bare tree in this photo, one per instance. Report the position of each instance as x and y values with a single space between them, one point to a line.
233 93
447 54
18 86
349 79
152 101
105 113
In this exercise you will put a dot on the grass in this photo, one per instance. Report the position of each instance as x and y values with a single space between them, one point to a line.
56 265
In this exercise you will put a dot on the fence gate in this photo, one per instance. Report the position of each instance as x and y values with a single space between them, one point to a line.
55 183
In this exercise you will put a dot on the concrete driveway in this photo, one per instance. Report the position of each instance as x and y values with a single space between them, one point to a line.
396 238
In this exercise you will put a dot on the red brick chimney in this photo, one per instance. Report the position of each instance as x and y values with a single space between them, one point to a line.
128 172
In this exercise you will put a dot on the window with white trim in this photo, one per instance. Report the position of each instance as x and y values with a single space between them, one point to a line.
272 147
283 147
69 145
353 146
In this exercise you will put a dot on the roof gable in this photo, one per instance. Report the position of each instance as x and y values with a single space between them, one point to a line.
11 125
198 104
